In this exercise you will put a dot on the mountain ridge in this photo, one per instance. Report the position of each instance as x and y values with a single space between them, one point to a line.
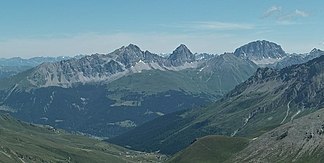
108 67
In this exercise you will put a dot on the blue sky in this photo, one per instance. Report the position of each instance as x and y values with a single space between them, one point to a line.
72 27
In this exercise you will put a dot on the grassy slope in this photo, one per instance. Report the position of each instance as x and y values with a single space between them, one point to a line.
159 81
22 142
210 149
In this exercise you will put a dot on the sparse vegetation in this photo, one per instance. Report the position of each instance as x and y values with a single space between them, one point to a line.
23 142
210 149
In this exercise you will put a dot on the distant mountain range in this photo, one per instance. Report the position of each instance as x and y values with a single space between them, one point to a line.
148 102
294 59
108 94
109 67
263 53
12 66
31 62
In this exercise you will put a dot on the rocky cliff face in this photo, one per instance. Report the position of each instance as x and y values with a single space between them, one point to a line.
132 54
93 68
180 56
261 52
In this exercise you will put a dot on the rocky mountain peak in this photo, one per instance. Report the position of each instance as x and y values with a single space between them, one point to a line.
181 55
182 49
133 47
128 55
260 50
130 49
315 50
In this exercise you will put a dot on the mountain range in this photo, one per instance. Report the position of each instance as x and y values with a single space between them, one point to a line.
143 101
108 94
294 59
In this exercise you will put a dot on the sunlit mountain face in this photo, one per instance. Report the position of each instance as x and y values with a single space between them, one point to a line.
161 81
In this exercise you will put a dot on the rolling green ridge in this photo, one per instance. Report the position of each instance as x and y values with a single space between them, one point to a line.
210 149
23 142
154 81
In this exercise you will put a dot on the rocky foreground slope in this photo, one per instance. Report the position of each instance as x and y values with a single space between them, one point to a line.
301 140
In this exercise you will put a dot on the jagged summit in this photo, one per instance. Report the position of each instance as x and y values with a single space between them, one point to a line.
128 55
182 48
315 50
182 51
181 55
261 51
131 48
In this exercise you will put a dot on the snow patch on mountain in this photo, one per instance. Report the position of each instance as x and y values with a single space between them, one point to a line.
184 66
266 61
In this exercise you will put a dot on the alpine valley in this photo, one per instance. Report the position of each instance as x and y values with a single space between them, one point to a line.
184 105
268 99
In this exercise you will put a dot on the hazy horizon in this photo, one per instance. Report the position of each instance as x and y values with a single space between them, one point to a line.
65 28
